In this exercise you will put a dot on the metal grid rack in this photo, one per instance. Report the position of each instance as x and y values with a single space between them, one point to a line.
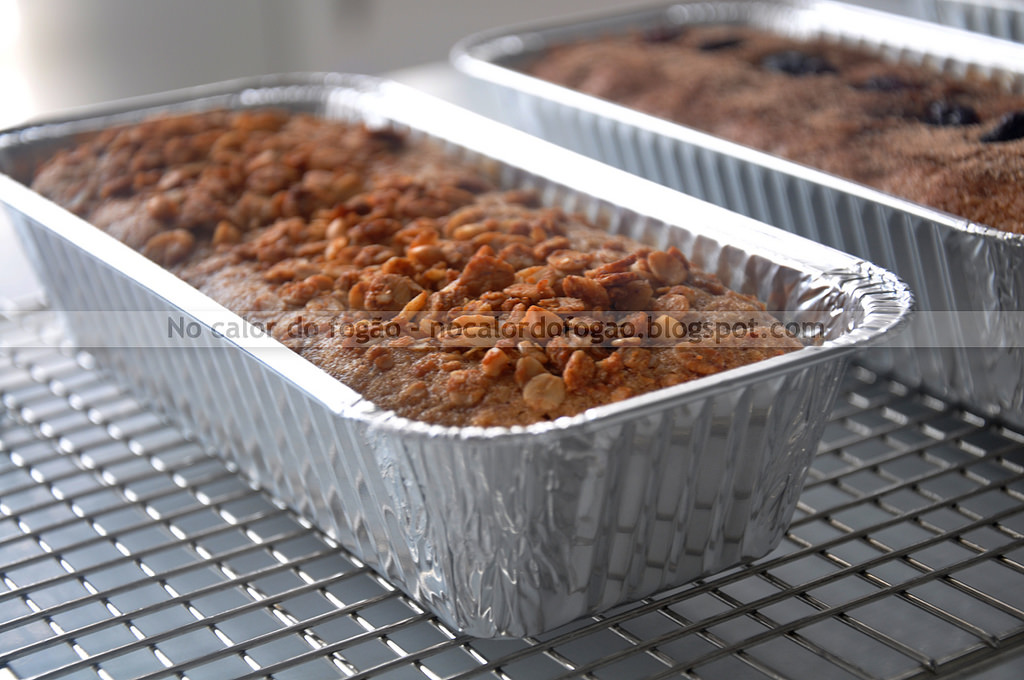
127 551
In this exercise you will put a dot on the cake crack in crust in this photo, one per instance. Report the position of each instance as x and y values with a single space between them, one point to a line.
404 272
950 143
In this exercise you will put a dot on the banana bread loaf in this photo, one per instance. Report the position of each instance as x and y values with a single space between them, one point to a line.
403 272
953 144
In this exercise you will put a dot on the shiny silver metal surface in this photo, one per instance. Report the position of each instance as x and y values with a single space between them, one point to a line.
950 264
998 18
128 552
499 530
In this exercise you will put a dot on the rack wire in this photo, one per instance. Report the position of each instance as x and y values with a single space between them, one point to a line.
128 551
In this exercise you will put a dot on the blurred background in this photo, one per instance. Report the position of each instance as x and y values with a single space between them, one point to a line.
57 54
60 54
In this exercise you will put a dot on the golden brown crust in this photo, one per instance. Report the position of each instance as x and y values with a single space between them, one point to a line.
851 114
327 233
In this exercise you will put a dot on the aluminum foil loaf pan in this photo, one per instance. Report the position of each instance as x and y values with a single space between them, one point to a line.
499 531
964 345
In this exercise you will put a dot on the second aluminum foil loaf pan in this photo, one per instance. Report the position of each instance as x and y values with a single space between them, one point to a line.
499 531
968 279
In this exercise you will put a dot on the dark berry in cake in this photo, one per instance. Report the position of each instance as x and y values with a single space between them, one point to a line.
883 84
947 114
797 63
721 44
1011 127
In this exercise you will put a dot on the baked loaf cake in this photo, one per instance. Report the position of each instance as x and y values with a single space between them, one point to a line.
374 257
953 144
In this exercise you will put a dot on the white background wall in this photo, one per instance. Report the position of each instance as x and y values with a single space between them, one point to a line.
56 54
70 52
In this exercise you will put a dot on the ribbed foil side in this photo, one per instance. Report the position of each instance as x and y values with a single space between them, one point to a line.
999 19
515 531
949 264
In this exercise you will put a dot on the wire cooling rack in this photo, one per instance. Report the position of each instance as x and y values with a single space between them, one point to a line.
127 551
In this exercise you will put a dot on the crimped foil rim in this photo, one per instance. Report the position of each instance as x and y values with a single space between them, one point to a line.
882 298
984 4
